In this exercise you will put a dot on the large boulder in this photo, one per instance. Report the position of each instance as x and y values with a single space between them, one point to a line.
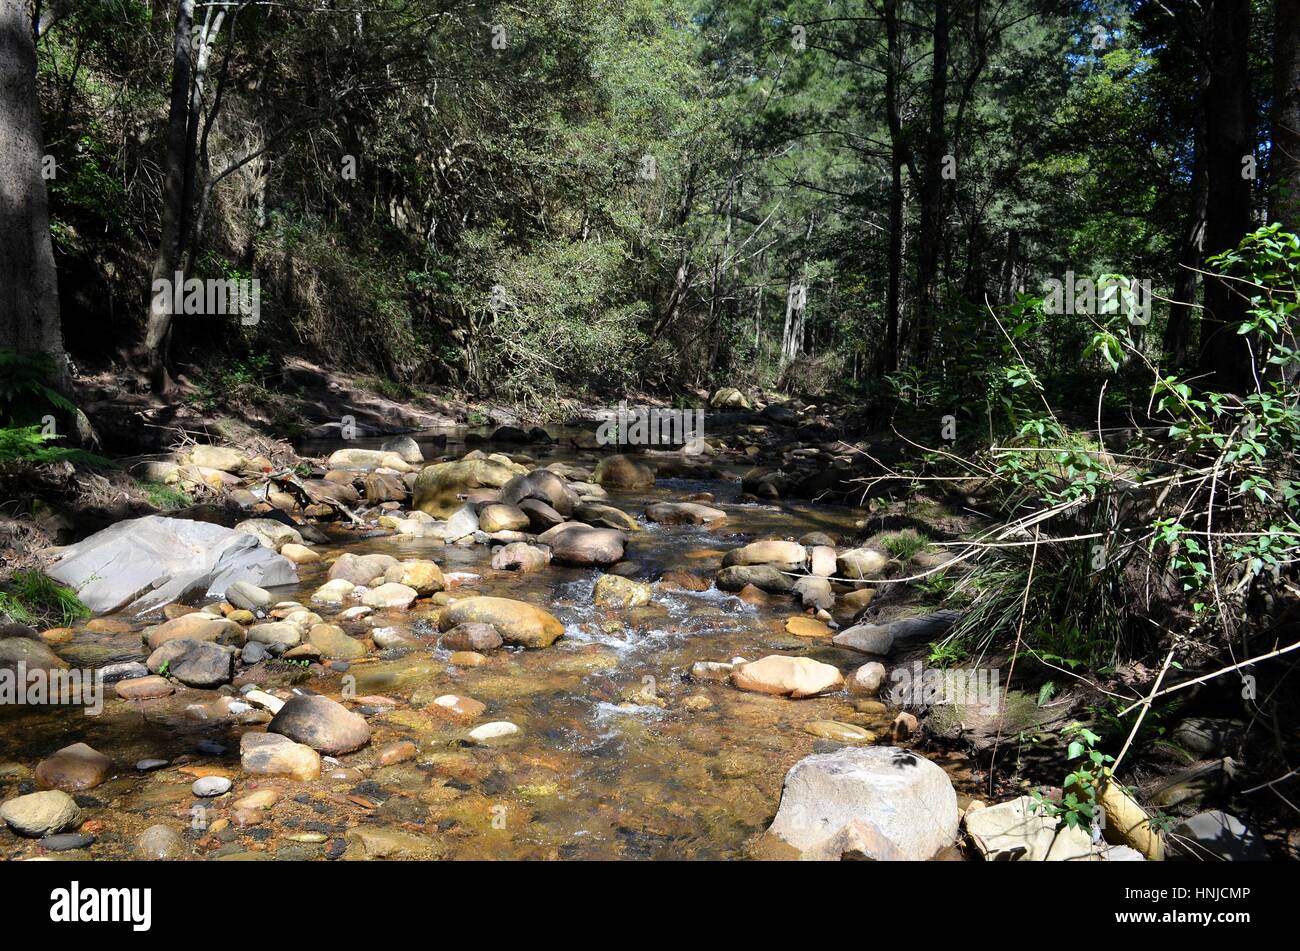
420 574
194 663
574 543
683 513
270 533
197 626
361 569
516 621
623 472
143 563
544 486
501 517
794 677
905 801
321 723
404 446
787 555
764 577
270 754
32 654
367 459
440 488
520 556
216 457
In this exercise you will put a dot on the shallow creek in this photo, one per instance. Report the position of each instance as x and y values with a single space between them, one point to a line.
590 776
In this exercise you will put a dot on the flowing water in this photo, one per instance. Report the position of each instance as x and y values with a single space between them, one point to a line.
612 761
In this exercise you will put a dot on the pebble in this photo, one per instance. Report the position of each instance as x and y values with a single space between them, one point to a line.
149 765
66 842
210 786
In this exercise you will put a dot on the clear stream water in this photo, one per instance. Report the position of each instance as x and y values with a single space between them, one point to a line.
596 773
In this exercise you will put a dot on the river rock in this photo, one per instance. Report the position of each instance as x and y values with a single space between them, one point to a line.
787 676
1209 737
866 639
461 709
493 731
516 621
242 594
859 563
333 592
270 533
821 561
194 663
573 543
899 796
683 513
282 633
270 754
501 517
471 636
623 472
404 446
209 787
389 595
1016 830
74 768
216 457
382 487
440 488
160 843
333 643
781 554
1217 837
361 569
367 459
144 563
839 732
541 516
299 554
197 626
41 813
544 486
322 724
520 556
763 577
149 687
424 576
612 591
814 593
867 679
600 515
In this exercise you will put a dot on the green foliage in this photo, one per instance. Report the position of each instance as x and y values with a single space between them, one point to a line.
164 497
30 597
27 411
1080 806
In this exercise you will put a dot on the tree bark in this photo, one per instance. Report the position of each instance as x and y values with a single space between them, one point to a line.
931 229
175 189
1224 354
29 290
890 357
1284 163
1178 331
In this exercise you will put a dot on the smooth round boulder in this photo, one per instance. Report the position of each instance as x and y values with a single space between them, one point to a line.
624 472
516 621
794 677
327 727
574 543
471 636
40 814
501 517
74 768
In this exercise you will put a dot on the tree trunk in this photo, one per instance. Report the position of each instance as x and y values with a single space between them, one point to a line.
931 230
29 290
1225 357
1285 160
1179 329
175 188
890 357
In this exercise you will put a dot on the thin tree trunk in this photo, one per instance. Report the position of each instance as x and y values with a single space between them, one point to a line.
890 356
175 188
1224 353
931 230
29 290
1178 331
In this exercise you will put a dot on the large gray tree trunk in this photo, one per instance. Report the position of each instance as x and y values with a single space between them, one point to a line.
29 293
